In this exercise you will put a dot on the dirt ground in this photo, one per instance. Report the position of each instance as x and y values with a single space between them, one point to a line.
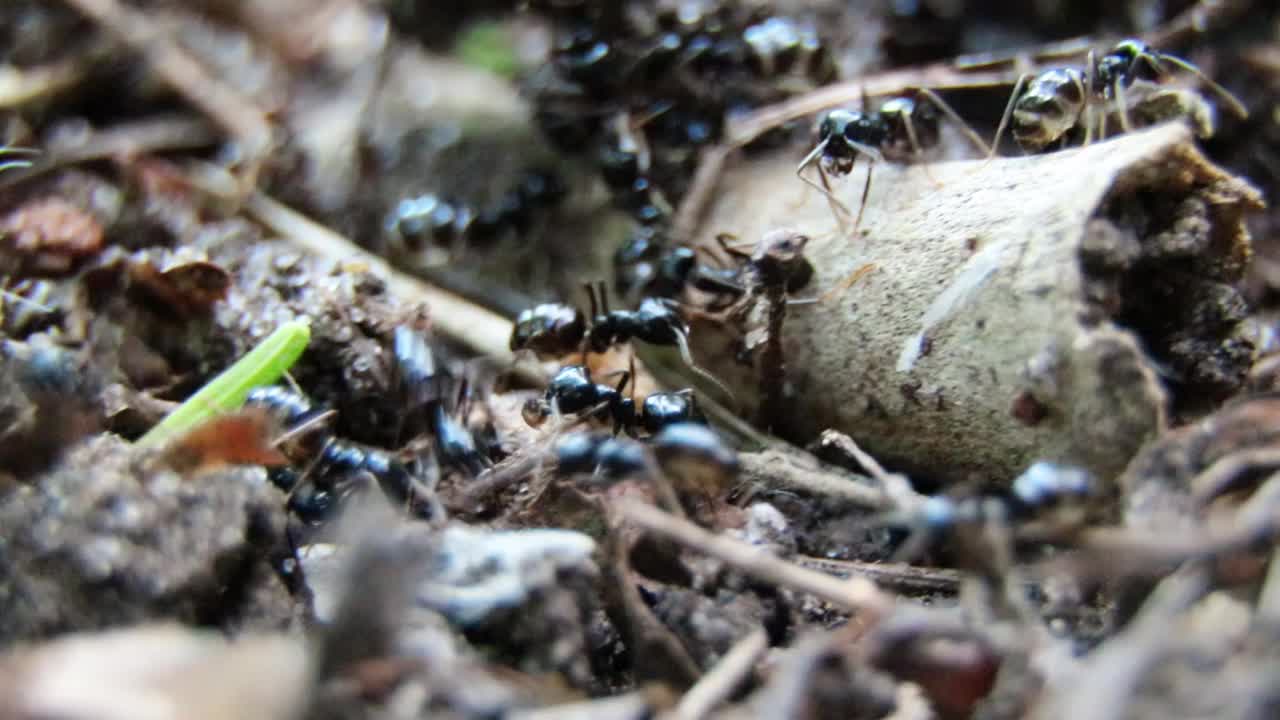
988 437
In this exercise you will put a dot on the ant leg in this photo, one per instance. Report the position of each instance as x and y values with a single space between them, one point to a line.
824 188
306 474
1122 107
1007 116
954 117
866 190
682 343
595 309
1223 94
734 251
916 151
1090 104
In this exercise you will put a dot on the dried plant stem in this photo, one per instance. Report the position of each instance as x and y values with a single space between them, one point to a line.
717 685
855 594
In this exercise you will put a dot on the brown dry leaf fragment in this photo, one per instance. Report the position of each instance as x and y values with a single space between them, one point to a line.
48 235
241 438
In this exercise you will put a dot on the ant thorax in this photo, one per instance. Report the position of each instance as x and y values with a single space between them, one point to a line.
1150 104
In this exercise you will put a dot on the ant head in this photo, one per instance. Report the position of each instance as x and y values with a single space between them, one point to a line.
834 122
535 412
780 256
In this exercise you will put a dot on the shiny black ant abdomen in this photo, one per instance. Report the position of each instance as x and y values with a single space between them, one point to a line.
690 452
418 224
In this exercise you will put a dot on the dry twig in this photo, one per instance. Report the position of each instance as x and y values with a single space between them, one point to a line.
237 114
717 685
855 594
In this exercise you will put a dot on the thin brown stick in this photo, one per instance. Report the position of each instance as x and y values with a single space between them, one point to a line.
717 685
479 329
855 594
158 134
939 76
1195 20
20 86
895 576
790 470
230 109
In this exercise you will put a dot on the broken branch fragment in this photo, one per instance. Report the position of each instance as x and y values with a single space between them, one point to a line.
1017 311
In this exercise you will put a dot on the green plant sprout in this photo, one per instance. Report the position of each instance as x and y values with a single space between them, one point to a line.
8 162
488 46
263 365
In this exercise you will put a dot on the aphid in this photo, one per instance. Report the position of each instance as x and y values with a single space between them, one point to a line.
901 128
1061 104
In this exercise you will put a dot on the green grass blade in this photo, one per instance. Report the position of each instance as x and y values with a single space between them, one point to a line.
263 365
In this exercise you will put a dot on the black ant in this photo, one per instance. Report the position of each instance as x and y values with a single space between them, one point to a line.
1060 101
900 129
776 268
553 330
572 391
421 382
335 461
692 454
1043 488
779 45
646 263
430 220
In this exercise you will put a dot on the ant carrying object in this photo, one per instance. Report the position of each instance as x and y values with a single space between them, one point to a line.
553 329
900 129
334 462
1061 102
776 267
573 391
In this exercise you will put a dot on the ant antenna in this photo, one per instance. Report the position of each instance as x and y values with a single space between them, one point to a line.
682 342
1008 115
306 474
1237 107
